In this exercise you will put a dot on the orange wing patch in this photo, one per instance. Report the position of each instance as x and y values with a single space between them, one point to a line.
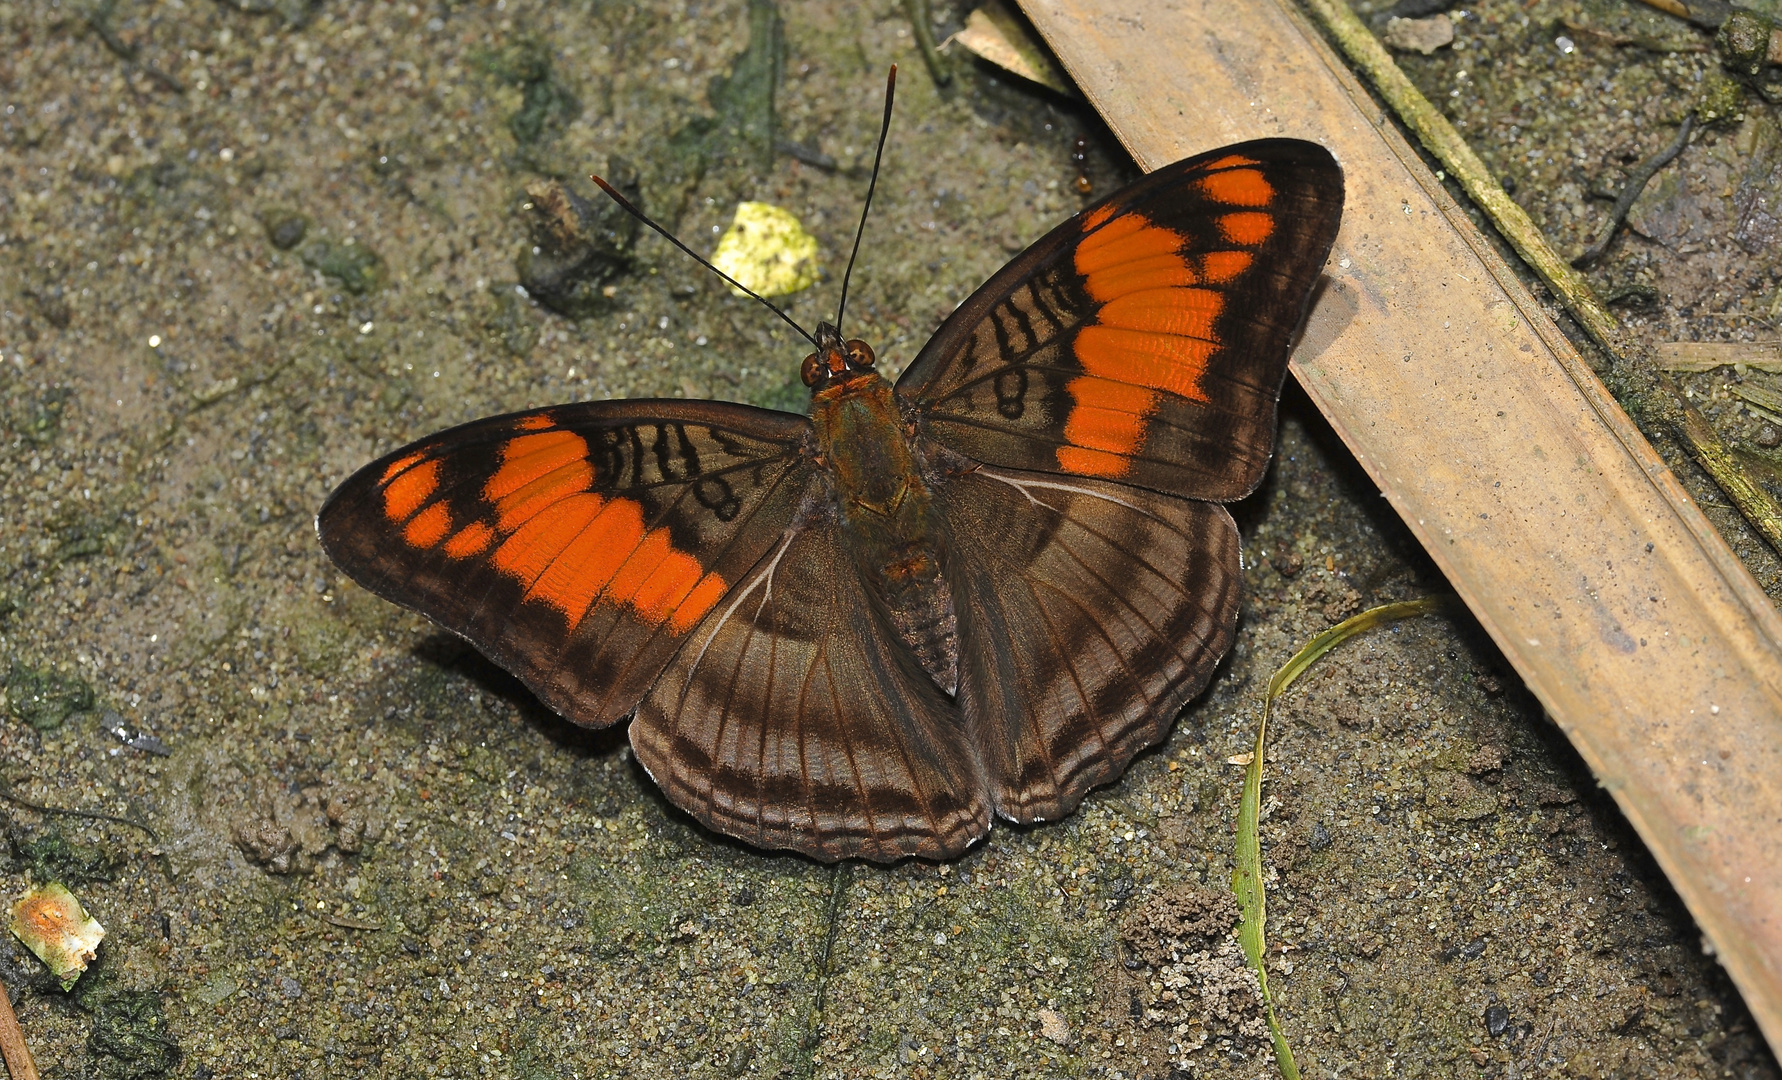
1156 328
537 471
1230 161
1249 228
1147 360
533 546
1238 187
1154 332
428 527
472 539
408 484
1126 239
1106 423
1095 217
1221 266
568 546
1181 312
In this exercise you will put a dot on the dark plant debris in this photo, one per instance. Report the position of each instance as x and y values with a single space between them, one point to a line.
547 104
51 856
1636 184
130 1038
744 122
580 243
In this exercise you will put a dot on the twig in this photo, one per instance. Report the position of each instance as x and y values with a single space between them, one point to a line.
810 155
1569 286
917 10
12 1042
7 794
1636 183
840 879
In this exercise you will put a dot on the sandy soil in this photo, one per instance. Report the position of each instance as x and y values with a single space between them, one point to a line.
246 247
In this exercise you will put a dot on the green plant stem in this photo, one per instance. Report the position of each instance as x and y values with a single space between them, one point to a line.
919 16
1246 879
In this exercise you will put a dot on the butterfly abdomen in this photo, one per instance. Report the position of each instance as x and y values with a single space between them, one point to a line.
888 516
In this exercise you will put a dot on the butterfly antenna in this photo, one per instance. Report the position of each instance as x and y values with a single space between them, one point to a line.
700 259
878 155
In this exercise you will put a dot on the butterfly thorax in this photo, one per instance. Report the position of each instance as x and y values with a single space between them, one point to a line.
886 507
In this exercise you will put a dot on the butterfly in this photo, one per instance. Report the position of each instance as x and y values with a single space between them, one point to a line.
977 593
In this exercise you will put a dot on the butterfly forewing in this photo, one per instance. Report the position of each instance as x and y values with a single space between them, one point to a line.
1146 339
794 718
578 545
1090 612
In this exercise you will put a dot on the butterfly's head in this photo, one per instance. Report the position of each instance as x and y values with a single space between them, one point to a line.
835 358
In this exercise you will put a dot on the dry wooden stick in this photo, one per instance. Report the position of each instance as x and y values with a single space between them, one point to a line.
1441 139
12 1042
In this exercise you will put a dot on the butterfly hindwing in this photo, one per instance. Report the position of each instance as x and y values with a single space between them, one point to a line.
1145 340
1089 613
577 546
794 718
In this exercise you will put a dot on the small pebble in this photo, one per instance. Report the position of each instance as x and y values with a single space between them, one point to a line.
1419 35
1053 1027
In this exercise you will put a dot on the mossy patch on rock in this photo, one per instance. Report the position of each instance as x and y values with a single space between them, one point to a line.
44 699
37 418
507 322
744 121
51 856
357 268
130 1038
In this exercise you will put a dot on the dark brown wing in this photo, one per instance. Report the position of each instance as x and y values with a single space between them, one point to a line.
795 718
577 545
1089 613
1144 340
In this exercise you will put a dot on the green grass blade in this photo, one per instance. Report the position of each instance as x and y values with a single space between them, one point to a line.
1246 879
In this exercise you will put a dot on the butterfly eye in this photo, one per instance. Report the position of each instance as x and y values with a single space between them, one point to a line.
860 354
808 372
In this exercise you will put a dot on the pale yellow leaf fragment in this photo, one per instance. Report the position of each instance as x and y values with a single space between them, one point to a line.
994 34
768 250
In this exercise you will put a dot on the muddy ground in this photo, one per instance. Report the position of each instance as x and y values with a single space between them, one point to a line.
247 246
